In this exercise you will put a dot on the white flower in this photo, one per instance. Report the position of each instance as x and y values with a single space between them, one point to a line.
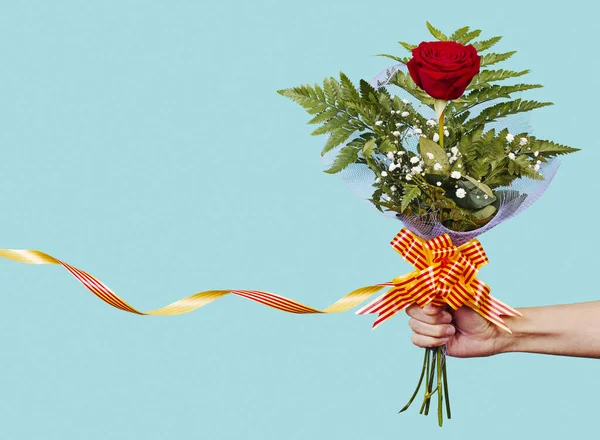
511 156
399 153
454 150
408 177
393 112
448 154
377 180
417 169
455 174
398 124
536 153
436 137
404 114
446 133
414 159
523 141
452 159
410 134
417 130
379 123
429 155
536 167
396 133
510 137
459 166
431 122
438 183
390 155
461 193
383 174
392 167
405 101
485 196
393 188
437 167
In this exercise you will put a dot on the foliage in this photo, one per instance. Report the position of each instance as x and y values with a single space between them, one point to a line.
367 125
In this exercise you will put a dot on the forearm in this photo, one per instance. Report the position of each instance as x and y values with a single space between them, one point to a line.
568 330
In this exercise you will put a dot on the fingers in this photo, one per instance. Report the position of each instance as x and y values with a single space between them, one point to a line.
429 314
431 325
431 330
427 341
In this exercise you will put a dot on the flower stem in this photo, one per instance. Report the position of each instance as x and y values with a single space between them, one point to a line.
446 395
441 124
425 364
439 387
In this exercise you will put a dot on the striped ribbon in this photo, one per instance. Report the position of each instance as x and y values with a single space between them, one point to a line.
445 274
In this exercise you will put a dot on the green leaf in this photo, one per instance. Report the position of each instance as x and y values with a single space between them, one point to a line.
367 149
459 33
407 46
410 193
481 46
393 57
493 58
337 137
428 147
347 155
436 32
482 186
484 213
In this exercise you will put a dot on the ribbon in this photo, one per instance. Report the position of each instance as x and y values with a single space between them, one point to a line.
445 274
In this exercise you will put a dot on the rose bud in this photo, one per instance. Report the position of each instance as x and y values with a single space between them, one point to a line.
443 69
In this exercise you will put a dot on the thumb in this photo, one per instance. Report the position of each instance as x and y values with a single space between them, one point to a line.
432 310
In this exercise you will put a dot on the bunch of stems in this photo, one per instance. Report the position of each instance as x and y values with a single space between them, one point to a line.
435 377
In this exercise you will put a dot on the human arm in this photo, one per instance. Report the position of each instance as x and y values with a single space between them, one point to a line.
567 330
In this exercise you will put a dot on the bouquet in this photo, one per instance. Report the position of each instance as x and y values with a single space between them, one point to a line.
438 141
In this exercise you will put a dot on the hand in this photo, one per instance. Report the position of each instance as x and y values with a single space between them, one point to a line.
465 333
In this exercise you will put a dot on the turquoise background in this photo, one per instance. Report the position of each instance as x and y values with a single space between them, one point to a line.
144 142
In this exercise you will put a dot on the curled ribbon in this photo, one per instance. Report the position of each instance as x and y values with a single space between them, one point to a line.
445 274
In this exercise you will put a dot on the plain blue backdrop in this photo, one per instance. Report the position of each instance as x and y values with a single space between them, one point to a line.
144 142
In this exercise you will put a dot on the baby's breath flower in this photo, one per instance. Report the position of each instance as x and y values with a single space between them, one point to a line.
461 193
377 180
405 101
511 156
414 159
393 112
454 150
431 122
536 153
408 177
536 167
383 174
396 133
437 167
510 137
436 137
399 153
398 124
455 174
417 169
393 188
379 123
392 167
438 183
459 166
523 141
430 155
390 155
417 130
404 114
446 133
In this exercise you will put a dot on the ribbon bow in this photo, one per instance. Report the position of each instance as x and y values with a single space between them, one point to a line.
445 274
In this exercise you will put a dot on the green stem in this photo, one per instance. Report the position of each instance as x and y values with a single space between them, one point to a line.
439 387
446 395
425 359
430 390
441 124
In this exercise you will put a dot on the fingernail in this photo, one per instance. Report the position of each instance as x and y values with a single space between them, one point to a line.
450 331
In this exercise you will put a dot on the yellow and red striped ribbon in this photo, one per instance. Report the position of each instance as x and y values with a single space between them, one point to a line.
445 274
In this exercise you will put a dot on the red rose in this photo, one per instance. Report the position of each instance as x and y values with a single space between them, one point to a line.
443 69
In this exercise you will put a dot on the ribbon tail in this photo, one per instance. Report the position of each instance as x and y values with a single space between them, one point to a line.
492 308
